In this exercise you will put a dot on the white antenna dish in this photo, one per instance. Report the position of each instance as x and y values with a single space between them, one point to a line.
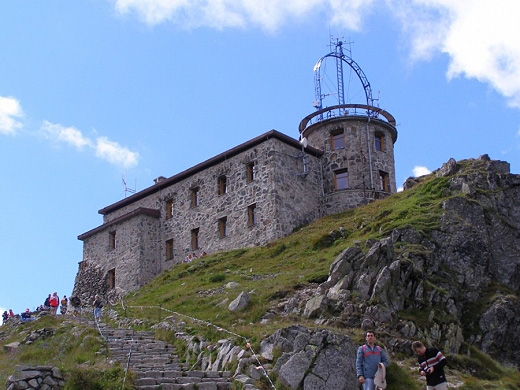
304 142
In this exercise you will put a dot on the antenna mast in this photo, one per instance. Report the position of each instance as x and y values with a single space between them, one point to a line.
127 189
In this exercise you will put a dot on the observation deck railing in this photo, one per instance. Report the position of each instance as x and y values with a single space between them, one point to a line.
346 110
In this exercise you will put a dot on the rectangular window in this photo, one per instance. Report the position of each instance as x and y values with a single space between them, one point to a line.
169 249
222 185
195 239
337 140
379 140
384 184
112 240
222 227
111 278
169 208
251 215
251 171
194 197
341 179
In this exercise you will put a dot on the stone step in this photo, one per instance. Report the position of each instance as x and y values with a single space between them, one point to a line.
155 363
186 386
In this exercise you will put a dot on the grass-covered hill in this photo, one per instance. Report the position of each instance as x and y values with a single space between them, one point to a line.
199 293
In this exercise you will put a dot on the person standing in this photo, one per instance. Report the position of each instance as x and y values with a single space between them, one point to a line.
431 365
98 304
64 304
369 358
54 302
47 304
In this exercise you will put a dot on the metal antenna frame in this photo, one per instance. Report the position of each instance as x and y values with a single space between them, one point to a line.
341 58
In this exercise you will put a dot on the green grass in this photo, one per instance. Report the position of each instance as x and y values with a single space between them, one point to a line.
78 351
197 294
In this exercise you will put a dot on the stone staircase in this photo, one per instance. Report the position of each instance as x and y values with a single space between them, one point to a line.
156 365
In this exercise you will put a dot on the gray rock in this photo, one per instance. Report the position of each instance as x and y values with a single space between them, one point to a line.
240 302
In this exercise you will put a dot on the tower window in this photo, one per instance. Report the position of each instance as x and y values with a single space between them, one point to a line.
337 140
169 249
112 240
251 171
195 239
341 179
169 208
222 185
222 227
379 142
194 197
384 181
251 215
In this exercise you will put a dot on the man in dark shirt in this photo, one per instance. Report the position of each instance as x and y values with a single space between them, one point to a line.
431 365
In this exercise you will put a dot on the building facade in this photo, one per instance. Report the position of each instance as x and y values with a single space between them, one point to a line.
249 195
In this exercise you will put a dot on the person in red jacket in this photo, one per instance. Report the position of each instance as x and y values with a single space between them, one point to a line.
54 302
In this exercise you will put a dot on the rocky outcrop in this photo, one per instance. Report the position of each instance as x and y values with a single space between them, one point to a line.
453 283
312 359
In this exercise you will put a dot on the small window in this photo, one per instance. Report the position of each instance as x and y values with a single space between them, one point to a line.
337 140
251 171
222 227
112 240
194 197
111 278
195 239
384 181
222 185
169 249
379 140
169 208
251 215
341 179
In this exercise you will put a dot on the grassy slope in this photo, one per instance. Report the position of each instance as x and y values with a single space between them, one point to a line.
271 273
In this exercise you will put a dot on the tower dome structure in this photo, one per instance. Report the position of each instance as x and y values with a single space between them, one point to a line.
356 137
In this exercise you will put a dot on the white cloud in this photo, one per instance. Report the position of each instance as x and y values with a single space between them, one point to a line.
105 149
219 14
68 135
420 171
115 153
349 14
480 37
10 112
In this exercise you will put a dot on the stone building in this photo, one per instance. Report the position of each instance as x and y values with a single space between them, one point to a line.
249 195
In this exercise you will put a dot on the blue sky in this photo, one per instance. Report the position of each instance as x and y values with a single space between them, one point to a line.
95 91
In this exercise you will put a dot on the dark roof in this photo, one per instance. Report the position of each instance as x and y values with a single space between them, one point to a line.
161 184
133 213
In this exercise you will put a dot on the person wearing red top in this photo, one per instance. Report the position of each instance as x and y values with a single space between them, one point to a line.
54 302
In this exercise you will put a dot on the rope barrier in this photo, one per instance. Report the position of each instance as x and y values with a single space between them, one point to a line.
219 329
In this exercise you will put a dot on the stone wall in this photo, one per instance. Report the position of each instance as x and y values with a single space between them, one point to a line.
38 377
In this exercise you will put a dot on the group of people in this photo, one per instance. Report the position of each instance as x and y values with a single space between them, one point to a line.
371 363
6 315
24 317
192 256
51 304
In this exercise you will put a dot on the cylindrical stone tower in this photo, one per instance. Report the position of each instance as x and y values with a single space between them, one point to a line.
357 141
